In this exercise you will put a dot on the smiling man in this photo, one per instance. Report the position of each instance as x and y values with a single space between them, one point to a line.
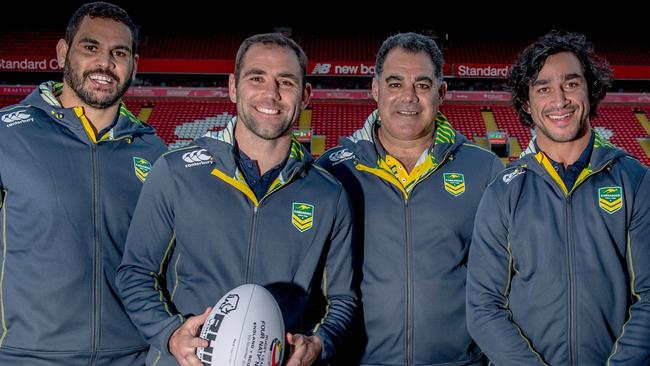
73 160
559 269
415 183
243 205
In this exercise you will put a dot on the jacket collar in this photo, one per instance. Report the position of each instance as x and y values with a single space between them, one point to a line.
364 142
221 145
44 97
602 153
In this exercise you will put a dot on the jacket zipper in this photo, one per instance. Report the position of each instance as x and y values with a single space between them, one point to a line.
97 257
573 352
572 285
251 243
408 355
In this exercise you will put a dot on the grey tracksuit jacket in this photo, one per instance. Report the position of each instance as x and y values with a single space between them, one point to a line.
562 277
413 248
66 203
199 231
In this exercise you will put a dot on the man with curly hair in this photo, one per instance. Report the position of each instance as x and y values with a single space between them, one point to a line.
559 268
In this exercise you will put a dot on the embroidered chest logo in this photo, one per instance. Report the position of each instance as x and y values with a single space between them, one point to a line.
610 199
302 216
454 183
142 168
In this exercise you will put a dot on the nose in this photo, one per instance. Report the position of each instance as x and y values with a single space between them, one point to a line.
409 95
559 98
105 60
272 90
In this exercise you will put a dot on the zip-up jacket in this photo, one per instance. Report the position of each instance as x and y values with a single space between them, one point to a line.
65 207
561 276
199 231
414 247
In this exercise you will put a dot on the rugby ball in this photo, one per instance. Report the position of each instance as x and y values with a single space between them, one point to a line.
245 328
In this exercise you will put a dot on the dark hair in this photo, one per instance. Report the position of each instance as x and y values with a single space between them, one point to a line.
526 69
277 39
414 43
105 10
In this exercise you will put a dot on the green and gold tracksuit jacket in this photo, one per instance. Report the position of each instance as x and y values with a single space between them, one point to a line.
199 231
67 197
561 276
413 245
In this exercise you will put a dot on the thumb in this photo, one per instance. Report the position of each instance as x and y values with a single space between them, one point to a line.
205 314
197 321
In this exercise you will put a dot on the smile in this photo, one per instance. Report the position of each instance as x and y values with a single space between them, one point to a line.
101 79
559 116
267 110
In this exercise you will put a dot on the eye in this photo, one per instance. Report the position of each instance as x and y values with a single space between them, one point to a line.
423 86
543 90
286 82
573 84
256 79
394 85
90 48
119 54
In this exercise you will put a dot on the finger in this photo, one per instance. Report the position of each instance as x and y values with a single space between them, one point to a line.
198 342
192 360
194 323
297 357
295 339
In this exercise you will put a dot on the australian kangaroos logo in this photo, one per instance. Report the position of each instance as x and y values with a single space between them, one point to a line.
454 183
302 216
610 199
142 168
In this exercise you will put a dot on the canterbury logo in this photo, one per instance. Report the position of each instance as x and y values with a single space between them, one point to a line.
196 157
510 176
341 156
16 117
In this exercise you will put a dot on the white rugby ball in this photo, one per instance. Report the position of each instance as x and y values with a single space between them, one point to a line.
245 328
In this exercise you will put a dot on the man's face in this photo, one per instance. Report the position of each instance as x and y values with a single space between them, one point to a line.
407 95
559 100
269 93
99 64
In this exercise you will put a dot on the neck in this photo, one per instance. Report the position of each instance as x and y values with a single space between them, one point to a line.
100 118
406 151
267 153
566 153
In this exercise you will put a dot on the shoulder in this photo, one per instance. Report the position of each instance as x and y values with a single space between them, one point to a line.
187 157
19 115
477 151
508 179
335 156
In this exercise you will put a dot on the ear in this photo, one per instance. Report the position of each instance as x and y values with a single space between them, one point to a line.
135 66
375 89
232 88
442 91
61 52
306 95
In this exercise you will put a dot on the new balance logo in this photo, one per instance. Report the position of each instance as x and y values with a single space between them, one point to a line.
196 157
17 117
322 69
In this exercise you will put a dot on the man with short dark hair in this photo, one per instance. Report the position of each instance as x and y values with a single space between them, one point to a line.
73 163
415 183
243 205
